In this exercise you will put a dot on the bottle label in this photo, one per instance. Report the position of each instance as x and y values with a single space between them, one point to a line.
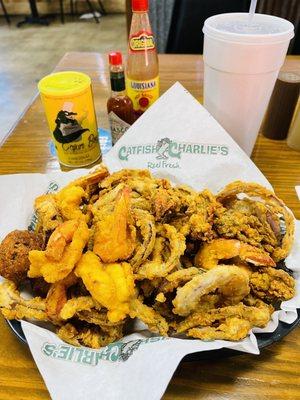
118 126
117 81
142 93
141 41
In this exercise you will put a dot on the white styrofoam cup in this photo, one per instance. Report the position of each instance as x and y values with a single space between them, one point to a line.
240 71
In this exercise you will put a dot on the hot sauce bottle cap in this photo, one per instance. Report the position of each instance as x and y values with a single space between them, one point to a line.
139 5
115 58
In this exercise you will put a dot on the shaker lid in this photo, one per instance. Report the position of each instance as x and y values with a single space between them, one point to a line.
65 83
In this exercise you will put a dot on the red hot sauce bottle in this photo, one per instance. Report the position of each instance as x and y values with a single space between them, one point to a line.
119 105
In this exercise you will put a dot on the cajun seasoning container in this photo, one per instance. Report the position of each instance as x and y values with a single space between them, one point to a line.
119 106
142 75
68 102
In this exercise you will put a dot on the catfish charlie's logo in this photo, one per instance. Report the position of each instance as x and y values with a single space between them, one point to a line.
167 151
114 352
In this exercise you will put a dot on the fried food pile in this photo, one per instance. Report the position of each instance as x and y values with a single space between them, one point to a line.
111 248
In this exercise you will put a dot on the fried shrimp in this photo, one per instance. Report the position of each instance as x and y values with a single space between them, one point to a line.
231 282
60 238
42 263
115 236
210 254
57 296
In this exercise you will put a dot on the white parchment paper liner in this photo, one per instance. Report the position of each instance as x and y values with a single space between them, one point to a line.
199 153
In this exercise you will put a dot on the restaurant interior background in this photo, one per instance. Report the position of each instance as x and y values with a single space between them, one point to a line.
30 51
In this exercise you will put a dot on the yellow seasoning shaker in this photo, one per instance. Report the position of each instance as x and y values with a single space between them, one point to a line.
68 102
142 79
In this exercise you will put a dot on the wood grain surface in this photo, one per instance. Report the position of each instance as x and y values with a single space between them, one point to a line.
275 374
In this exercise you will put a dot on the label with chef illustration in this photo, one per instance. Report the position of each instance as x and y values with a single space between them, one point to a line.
73 124
141 41
118 126
142 93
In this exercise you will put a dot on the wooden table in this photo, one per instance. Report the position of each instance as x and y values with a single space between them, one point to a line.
275 374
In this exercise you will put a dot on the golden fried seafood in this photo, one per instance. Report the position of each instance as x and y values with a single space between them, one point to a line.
177 278
201 211
164 201
111 285
139 181
53 208
60 238
128 245
48 212
155 322
93 178
272 285
257 316
146 230
233 328
76 304
227 323
53 270
13 306
193 213
69 200
14 249
115 236
57 296
256 222
168 248
231 282
210 254
90 336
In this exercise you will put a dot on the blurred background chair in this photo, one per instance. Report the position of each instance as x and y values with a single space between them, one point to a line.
6 16
73 9
288 9
185 34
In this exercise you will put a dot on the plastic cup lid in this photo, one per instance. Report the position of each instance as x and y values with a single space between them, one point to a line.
65 83
237 27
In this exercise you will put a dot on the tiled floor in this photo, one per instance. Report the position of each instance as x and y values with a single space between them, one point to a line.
29 53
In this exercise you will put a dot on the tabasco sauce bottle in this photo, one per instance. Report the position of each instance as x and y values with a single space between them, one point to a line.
119 106
142 80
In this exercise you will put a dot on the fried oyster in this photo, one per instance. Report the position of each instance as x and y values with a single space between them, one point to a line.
111 248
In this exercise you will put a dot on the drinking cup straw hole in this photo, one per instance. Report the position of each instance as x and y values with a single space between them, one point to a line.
252 9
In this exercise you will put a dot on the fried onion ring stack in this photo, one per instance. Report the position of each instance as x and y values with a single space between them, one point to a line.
111 248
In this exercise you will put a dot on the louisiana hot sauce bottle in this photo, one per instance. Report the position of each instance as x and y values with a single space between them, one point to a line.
119 106
142 80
